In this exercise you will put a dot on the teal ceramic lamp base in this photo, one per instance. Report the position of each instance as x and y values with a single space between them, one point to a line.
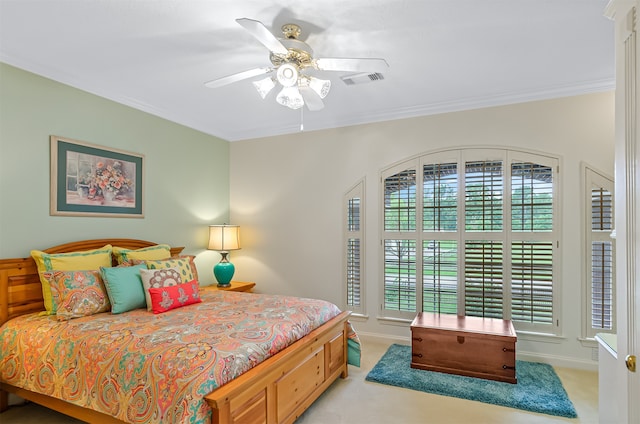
224 271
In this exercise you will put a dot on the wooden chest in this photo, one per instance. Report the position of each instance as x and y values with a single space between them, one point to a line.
471 346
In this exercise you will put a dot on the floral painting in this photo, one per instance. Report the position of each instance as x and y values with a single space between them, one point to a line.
94 180
102 180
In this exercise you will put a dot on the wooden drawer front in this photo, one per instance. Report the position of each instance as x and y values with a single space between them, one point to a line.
295 386
471 355
336 352
254 411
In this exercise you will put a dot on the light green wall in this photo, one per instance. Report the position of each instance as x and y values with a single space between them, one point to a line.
186 172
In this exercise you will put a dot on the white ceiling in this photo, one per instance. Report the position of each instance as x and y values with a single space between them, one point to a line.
443 55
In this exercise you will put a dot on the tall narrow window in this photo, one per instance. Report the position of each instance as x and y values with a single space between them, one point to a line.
473 233
532 245
600 302
439 257
354 248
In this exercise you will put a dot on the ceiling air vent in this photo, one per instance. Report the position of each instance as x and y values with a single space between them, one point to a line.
362 78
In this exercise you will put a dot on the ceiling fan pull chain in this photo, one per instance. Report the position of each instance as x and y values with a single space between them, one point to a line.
302 119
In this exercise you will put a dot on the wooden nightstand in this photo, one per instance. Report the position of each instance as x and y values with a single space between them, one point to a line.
238 286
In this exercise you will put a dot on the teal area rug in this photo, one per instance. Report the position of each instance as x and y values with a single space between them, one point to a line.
538 389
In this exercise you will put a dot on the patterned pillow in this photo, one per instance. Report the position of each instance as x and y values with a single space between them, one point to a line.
159 251
171 297
185 265
77 293
89 259
158 278
124 287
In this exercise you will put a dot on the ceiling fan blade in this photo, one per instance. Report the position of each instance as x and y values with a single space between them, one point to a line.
263 35
237 77
351 65
311 99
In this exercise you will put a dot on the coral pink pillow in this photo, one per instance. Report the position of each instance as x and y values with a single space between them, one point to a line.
166 298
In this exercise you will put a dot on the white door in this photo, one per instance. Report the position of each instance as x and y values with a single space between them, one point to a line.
627 221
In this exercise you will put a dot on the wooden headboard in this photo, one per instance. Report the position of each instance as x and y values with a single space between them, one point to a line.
20 289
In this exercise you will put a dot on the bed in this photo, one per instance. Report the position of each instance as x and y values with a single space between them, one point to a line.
286 374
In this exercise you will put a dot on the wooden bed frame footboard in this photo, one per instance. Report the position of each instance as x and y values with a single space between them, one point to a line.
278 390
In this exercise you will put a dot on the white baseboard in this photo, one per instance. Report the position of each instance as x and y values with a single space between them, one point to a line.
558 361
383 338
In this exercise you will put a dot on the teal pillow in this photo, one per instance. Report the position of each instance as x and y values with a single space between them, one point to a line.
124 288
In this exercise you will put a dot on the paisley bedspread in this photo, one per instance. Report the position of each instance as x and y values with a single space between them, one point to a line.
145 368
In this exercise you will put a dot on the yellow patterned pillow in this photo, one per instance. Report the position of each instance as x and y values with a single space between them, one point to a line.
159 251
85 260
184 265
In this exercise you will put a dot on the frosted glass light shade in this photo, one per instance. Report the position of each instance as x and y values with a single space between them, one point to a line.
320 86
290 97
264 86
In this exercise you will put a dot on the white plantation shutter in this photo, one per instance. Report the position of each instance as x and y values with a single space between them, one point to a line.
440 276
532 282
531 197
354 249
353 272
484 243
483 278
399 260
400 275
400 201
602 285
439 257
600 271
532 243
484 191
440 197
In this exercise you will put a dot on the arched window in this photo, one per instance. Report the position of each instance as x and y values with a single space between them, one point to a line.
473 232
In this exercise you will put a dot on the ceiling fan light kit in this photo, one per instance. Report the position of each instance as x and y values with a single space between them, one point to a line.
264 86
290 97
287 75
320 86
291 57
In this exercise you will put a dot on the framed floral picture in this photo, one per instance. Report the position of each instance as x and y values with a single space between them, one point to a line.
89 180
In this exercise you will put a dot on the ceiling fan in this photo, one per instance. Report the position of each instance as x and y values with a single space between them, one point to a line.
293 63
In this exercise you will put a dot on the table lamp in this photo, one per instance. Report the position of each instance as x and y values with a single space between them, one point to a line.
224 238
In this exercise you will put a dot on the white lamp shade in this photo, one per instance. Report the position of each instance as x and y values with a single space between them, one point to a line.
224 237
